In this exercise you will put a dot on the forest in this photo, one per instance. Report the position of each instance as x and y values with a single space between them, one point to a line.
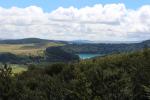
124 76
105 48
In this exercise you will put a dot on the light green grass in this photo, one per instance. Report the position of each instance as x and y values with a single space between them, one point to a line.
16 69
26 49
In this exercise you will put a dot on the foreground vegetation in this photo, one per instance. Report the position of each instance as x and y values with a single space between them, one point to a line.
115 77
17 69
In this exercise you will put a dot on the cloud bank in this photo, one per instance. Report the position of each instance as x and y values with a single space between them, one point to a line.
111 22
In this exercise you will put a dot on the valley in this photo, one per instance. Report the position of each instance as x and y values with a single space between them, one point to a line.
34 50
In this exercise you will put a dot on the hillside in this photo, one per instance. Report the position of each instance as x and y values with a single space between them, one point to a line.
105 48
26 49
34 49
51 54
56 54
28 46
114 77
28 41
34 46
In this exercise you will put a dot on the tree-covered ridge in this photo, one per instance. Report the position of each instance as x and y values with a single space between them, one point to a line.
115 77
34 50
105 48
51 54
56 54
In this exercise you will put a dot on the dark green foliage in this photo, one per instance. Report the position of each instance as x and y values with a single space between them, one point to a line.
52 54
104 48
31 67
8 57
18 59
54 69
56 54
6 83
114 77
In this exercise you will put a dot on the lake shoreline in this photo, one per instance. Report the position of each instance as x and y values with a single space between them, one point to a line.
88 55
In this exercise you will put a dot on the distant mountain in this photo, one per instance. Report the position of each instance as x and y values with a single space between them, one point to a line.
117 42
28 41
38 40
147 42
98 42
80 42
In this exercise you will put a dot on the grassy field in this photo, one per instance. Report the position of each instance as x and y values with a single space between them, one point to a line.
26 49
16 69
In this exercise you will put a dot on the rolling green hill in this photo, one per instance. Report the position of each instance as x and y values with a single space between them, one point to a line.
35 46
29 50
29 41
30 46
35 53
105 48
26 49
34 49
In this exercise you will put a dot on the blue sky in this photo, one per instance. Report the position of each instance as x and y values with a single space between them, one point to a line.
49 5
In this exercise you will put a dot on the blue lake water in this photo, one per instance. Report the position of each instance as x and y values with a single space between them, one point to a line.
87 56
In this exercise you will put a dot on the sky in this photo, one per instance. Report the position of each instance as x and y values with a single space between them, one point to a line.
50 5
96 20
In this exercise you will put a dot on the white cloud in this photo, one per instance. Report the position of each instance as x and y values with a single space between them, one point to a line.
100 22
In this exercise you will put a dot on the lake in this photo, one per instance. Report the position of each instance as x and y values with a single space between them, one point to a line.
87 56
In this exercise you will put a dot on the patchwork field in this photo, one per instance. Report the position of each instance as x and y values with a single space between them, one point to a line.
27 49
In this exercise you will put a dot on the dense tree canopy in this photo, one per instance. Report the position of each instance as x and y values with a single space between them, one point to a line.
105 48
115 77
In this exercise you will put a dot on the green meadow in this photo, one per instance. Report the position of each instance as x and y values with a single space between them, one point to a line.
27 49
17 69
